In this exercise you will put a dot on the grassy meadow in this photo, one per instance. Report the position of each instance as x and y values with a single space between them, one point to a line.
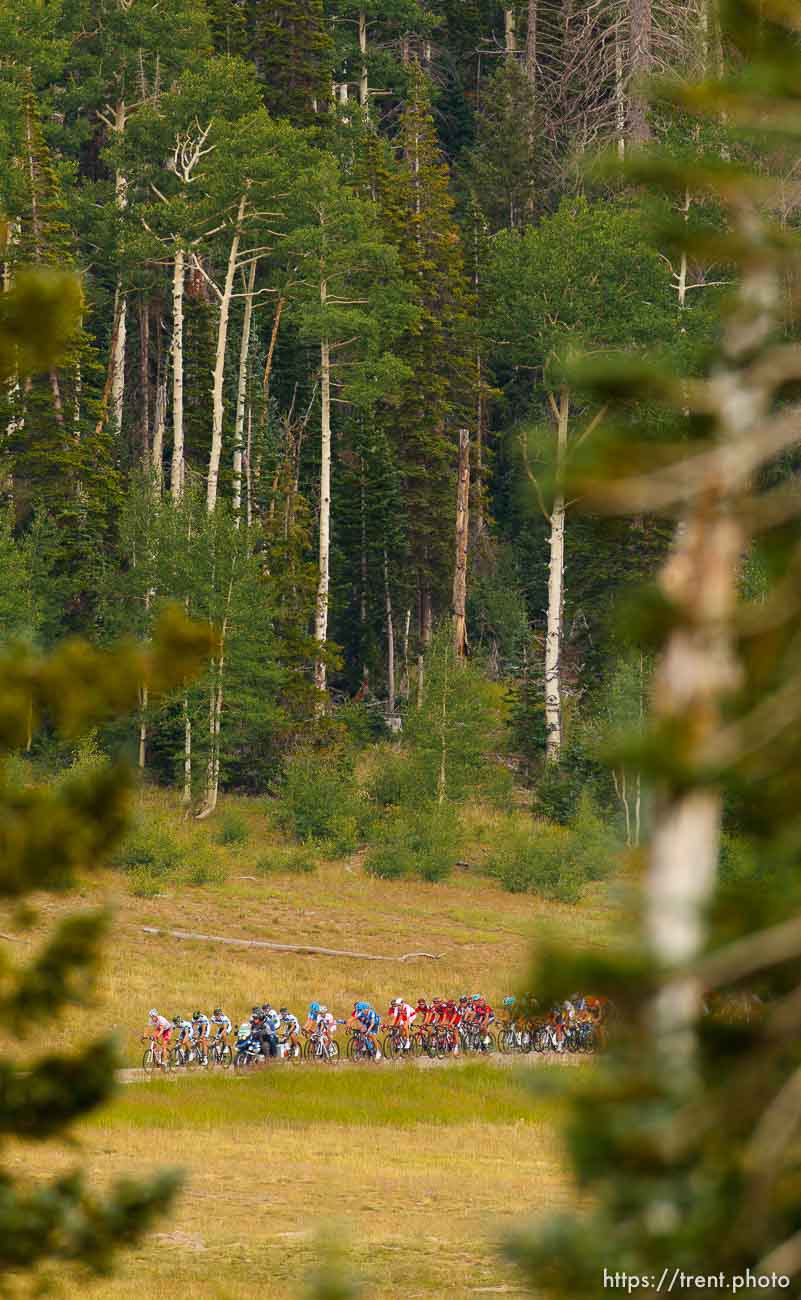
421 1169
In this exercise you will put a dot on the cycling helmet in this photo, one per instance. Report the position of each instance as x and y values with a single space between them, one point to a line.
323 1011
153 1014
218 1011
196 1015
361 1006
476 998
283 1011
314 1008
509 1002
265 1006
421 1002
176 1020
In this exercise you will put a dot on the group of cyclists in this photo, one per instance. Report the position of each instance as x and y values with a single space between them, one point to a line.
269 1032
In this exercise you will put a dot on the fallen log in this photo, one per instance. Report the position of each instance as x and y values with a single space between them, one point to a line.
303 949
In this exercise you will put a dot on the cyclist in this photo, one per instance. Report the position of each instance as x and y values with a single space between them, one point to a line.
185 1032
510 1011
312 1018
160 1032
222 1026
452 1019
201 1035
367 1021
272 1025
401 1015
290 1026
483 1015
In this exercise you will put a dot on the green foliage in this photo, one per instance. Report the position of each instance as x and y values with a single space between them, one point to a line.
319 800
149 849
233 830
295 861
422 842
456 728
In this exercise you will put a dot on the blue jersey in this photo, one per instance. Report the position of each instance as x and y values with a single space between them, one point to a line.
369 1019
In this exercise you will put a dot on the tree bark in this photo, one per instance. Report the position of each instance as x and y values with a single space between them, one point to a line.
556 569
699 667
241 391
462 535
187 794
321 611
217 402
510 32
390 638
144 379
177 354
531 45
364 88
640 27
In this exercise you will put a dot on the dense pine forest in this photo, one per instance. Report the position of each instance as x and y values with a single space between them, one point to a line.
337 257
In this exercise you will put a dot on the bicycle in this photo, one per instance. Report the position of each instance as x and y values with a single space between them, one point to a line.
476 1039
220 1053
154 1057
396 1046
514 1038
360 1047
319 1047
292 1051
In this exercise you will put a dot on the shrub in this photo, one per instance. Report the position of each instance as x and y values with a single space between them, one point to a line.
149 847
233 830
296 861
394 779
204 871
537 862
420 843
318 797
144 884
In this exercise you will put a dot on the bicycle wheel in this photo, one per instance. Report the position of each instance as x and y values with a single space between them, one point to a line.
224 1055
524 1042
242 1061
487 1043
355 1050
149 1060
541 1039
294 1052
332 1054
506 1041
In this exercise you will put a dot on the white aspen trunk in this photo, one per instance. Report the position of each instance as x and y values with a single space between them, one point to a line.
248 476
144 378
217 403
118 361
363 554
321 610
187 794
620 97
556 570
241 391
120 300
510 31
462 535
681 285
159 421
699 664
177 356
364 88
443 731
390 639
407 623
421 665
143 697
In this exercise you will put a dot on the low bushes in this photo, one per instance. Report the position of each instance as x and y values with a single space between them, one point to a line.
295 861
554 861
319 802
233 830
150 849
422 843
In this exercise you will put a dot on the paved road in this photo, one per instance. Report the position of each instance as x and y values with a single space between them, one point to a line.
417 1062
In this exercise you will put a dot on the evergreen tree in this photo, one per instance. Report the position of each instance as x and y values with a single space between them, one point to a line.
418 214
292 49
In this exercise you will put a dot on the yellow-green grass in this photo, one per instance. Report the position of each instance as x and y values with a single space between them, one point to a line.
428 1167
481 934
425 1171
